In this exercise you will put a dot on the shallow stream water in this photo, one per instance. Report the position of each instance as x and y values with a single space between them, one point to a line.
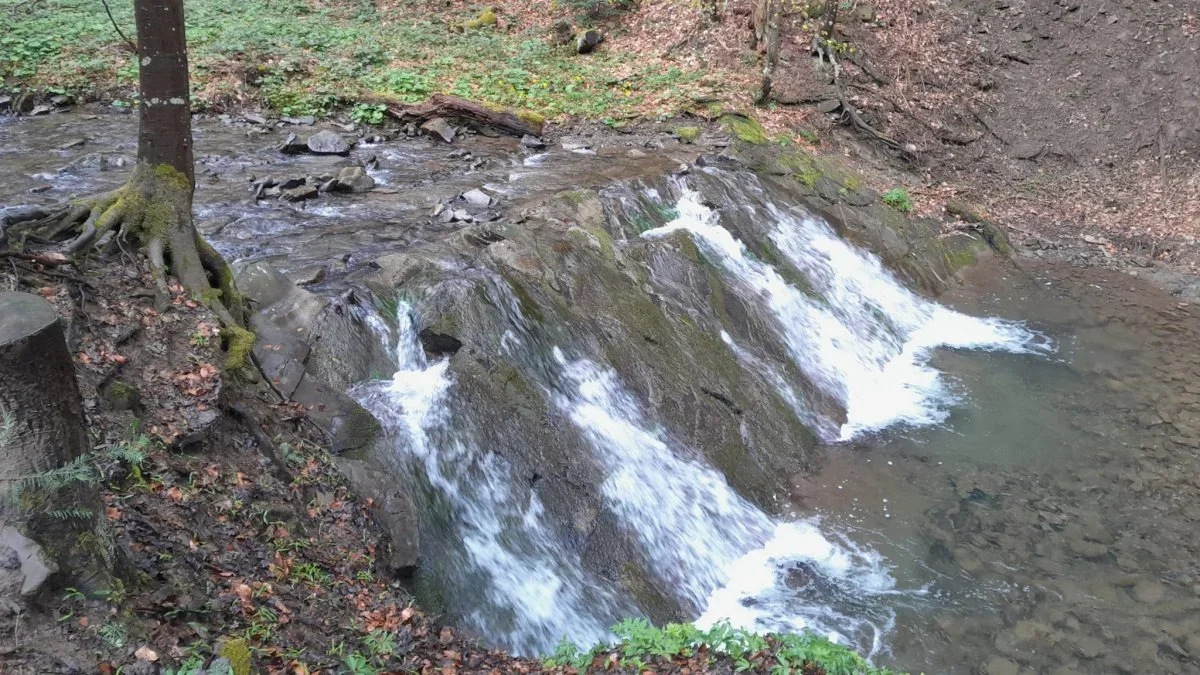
1032 509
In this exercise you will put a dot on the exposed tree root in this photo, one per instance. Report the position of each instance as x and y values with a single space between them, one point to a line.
154 209
825 52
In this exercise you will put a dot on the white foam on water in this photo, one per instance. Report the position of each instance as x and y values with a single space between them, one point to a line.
862 337
725 558
532 580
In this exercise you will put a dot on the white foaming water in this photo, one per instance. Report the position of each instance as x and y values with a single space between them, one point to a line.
536 592
865 340
726 559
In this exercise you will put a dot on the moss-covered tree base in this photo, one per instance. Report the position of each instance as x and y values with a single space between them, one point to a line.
154 212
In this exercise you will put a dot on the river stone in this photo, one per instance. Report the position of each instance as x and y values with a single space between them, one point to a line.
326 142
313 274
355 179
439 344
1149 591
1001 666
299 194
393 506
514 256
588 41
477 198
532 142
440 129
1088 646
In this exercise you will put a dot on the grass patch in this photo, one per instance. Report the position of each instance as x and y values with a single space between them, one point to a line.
898 199
307 58
640 644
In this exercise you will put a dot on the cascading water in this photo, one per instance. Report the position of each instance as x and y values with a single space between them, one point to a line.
533 592
864 338
857 335
722 555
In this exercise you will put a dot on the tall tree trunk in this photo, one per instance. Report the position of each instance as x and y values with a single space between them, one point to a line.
165 121
43 431
164 175
772 13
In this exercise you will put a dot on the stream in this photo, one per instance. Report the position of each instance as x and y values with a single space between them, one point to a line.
1002 480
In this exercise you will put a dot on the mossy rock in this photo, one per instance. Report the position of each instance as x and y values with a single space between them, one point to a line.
687 134
486 18
120 395
534 118
745 128
237 653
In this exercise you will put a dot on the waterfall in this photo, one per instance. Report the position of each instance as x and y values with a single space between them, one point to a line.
861 337
534 593
725 558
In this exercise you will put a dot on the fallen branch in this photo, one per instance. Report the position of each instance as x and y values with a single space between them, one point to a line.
49 258
453 107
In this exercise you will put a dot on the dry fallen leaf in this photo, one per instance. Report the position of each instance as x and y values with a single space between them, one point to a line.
144 653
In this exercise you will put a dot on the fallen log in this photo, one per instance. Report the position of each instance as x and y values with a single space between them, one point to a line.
453 107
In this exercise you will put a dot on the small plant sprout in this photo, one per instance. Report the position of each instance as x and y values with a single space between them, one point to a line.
898 199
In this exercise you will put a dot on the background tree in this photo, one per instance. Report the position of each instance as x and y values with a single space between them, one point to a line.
766 17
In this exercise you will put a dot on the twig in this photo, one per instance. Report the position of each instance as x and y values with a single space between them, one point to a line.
118 28
987 126
52 259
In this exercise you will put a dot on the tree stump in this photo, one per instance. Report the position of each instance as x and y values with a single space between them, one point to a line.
42 429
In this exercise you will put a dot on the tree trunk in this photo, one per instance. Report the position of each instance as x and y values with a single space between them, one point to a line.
773 15
165 121
41 430
164 179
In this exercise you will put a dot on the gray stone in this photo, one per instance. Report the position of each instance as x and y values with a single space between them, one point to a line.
532 142
393 507
326 142
299 194
1089 647
576 144
1149 591
477 198
587 42
516 257
292 145
31 567
440 129
829 105
355 179
1001 666
314 274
